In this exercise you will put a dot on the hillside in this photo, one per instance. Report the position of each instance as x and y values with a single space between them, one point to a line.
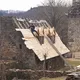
37 12
33 13
55 16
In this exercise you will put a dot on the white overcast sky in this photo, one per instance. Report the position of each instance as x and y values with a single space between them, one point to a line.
21 4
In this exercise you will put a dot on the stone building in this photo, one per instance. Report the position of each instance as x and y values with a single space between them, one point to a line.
11 44
74 29
12 47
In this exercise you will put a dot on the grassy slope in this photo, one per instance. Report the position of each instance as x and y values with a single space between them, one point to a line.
59 78
72 62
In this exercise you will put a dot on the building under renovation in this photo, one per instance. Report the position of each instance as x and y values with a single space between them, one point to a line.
18 43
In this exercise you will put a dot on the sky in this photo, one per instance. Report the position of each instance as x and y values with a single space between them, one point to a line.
22 5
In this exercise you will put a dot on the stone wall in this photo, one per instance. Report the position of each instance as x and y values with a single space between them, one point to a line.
11 43
34 75
50 64
74 34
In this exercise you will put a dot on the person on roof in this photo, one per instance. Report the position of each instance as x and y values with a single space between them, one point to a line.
34 32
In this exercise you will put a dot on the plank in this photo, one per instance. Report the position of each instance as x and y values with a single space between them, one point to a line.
46 48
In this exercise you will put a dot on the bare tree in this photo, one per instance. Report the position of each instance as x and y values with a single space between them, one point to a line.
55 15
55 12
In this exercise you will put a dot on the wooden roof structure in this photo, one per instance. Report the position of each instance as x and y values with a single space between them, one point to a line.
49 48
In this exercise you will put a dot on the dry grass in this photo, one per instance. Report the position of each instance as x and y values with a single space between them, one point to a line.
58 78
73 62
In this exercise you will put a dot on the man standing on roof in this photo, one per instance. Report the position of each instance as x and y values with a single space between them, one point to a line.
34 32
